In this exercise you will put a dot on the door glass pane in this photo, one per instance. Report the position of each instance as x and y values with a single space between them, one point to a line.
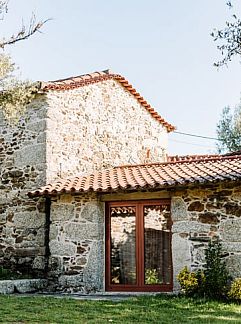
123 245
157 231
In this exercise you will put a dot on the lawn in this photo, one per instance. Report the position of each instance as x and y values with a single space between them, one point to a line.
159 309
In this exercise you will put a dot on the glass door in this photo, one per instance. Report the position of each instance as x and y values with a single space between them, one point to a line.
138 246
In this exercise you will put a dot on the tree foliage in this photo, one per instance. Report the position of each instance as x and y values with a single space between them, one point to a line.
228 39
229 130
14 93
215 271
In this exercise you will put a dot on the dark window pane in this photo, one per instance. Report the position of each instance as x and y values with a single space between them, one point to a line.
123 245
157 231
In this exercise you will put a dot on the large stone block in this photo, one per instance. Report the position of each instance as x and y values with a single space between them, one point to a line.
92 212
6 287
73 281
62 212
29 219
62 248
178 209
231 246
94 270
233 263
29 285
190 227
230 230
83 231
181 256
196 206
30 155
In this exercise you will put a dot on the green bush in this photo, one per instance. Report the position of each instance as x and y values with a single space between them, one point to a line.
216 274
213 280
191 282
235 290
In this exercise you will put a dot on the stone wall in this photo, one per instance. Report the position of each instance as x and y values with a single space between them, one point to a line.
76 260
22 168
77 240
63 134
200 214
99 126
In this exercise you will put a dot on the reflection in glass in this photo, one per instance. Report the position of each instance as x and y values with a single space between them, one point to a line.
123 245
157 233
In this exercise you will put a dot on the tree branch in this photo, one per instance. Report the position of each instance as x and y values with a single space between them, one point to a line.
23 33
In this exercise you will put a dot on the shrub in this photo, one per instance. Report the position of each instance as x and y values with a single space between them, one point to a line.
235 290
215 271
191 282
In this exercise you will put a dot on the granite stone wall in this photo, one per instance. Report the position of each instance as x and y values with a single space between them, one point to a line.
200 214
76 260
63 134
99 126
22 167
77 234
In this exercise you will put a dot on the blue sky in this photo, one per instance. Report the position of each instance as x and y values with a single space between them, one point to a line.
163 48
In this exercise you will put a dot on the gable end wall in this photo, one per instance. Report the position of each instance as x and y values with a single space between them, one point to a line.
99 126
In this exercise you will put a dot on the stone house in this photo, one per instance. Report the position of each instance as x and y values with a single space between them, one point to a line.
113 211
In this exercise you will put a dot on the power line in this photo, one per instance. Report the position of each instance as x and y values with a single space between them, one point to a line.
199 136
183 142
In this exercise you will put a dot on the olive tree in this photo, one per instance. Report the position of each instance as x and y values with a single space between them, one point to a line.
15 94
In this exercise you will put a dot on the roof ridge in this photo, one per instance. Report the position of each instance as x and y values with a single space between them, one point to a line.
89 78
208 159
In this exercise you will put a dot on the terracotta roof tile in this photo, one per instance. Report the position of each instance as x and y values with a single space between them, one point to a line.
86 79
150 176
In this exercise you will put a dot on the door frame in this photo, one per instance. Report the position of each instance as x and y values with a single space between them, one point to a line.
139 248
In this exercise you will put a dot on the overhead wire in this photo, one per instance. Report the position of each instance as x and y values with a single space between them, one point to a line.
199 136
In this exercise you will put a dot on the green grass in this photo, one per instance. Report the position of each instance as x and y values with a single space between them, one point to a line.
159 309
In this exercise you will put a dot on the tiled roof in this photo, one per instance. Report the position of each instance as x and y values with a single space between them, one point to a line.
150 176
178 158
86 79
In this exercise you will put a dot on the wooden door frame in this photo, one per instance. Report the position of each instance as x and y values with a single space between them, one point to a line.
140 286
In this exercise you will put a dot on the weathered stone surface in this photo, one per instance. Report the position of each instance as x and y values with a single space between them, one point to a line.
92 212
232 246
233 263
178 209
6 287
29 285
83 231
188 226
94 270
53 233
230 230
181 256
71 281
62 212
208 218
30 154
62 248
111 133
29 220
39 263
196 206
233 208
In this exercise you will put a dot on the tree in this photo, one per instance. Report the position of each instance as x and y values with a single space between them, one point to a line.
229 39
229 130
14 93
